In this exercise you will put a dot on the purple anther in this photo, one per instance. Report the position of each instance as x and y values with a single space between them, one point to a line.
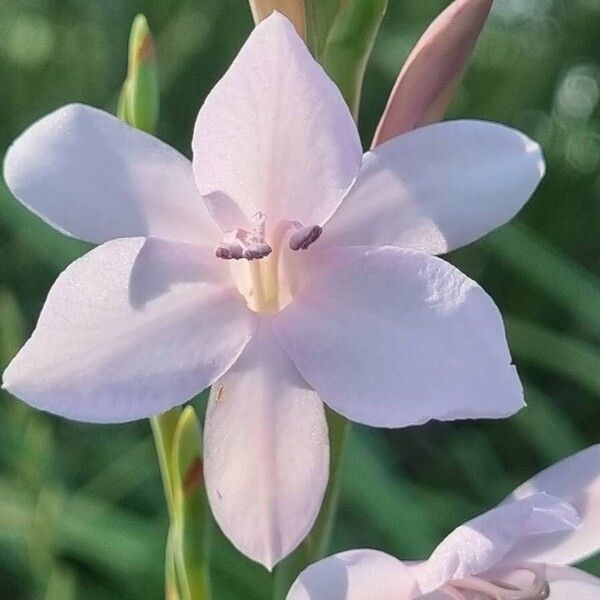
303 238
228 251
256 251
239 243
223 252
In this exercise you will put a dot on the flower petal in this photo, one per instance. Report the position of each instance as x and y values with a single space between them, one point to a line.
482 543
568 583
266 452
92 177
392 337
131 329
576 479
275 134
438 188
428 80
354 575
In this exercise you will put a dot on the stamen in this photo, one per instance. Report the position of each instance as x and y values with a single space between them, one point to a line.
499 590
304 237
239 243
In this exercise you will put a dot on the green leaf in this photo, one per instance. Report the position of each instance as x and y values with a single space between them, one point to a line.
567 356
320 15
528 254
546 427
348 42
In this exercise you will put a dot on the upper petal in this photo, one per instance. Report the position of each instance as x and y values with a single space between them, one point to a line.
576 479
428 80
266 452
392 337
482 543
91 176
131 329
275 134
438 188
355 575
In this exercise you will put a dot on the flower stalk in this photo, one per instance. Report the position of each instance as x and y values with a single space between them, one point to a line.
163 430
176 432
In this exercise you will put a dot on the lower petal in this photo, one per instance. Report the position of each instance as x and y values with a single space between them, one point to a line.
392 337
266 452
354 575
132 329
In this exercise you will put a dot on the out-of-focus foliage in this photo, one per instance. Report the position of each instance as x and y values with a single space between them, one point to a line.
82 514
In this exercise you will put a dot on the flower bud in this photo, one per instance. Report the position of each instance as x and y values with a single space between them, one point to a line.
427 83
191 508
139 101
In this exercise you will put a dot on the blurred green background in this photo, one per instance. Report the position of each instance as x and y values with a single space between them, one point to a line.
81 506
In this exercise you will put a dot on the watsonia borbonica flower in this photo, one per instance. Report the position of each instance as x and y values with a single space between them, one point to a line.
281 266
520 550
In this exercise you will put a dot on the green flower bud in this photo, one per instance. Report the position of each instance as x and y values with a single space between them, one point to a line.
139 100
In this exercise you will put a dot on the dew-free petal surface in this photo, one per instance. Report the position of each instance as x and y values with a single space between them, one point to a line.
438 188
93 177
266 452
392 337
129 330
576 479
354 575
482 543
275 134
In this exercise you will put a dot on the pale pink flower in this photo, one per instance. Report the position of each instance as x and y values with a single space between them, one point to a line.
367 319
520 550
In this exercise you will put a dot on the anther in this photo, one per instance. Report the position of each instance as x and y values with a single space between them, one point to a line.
240 243
304 237
257 250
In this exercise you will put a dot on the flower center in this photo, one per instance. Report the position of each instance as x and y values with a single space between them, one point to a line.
265 272
474 588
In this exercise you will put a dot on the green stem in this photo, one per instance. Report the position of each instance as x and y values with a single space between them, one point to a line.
163 428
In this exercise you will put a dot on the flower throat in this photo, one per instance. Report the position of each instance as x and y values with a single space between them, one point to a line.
263 277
